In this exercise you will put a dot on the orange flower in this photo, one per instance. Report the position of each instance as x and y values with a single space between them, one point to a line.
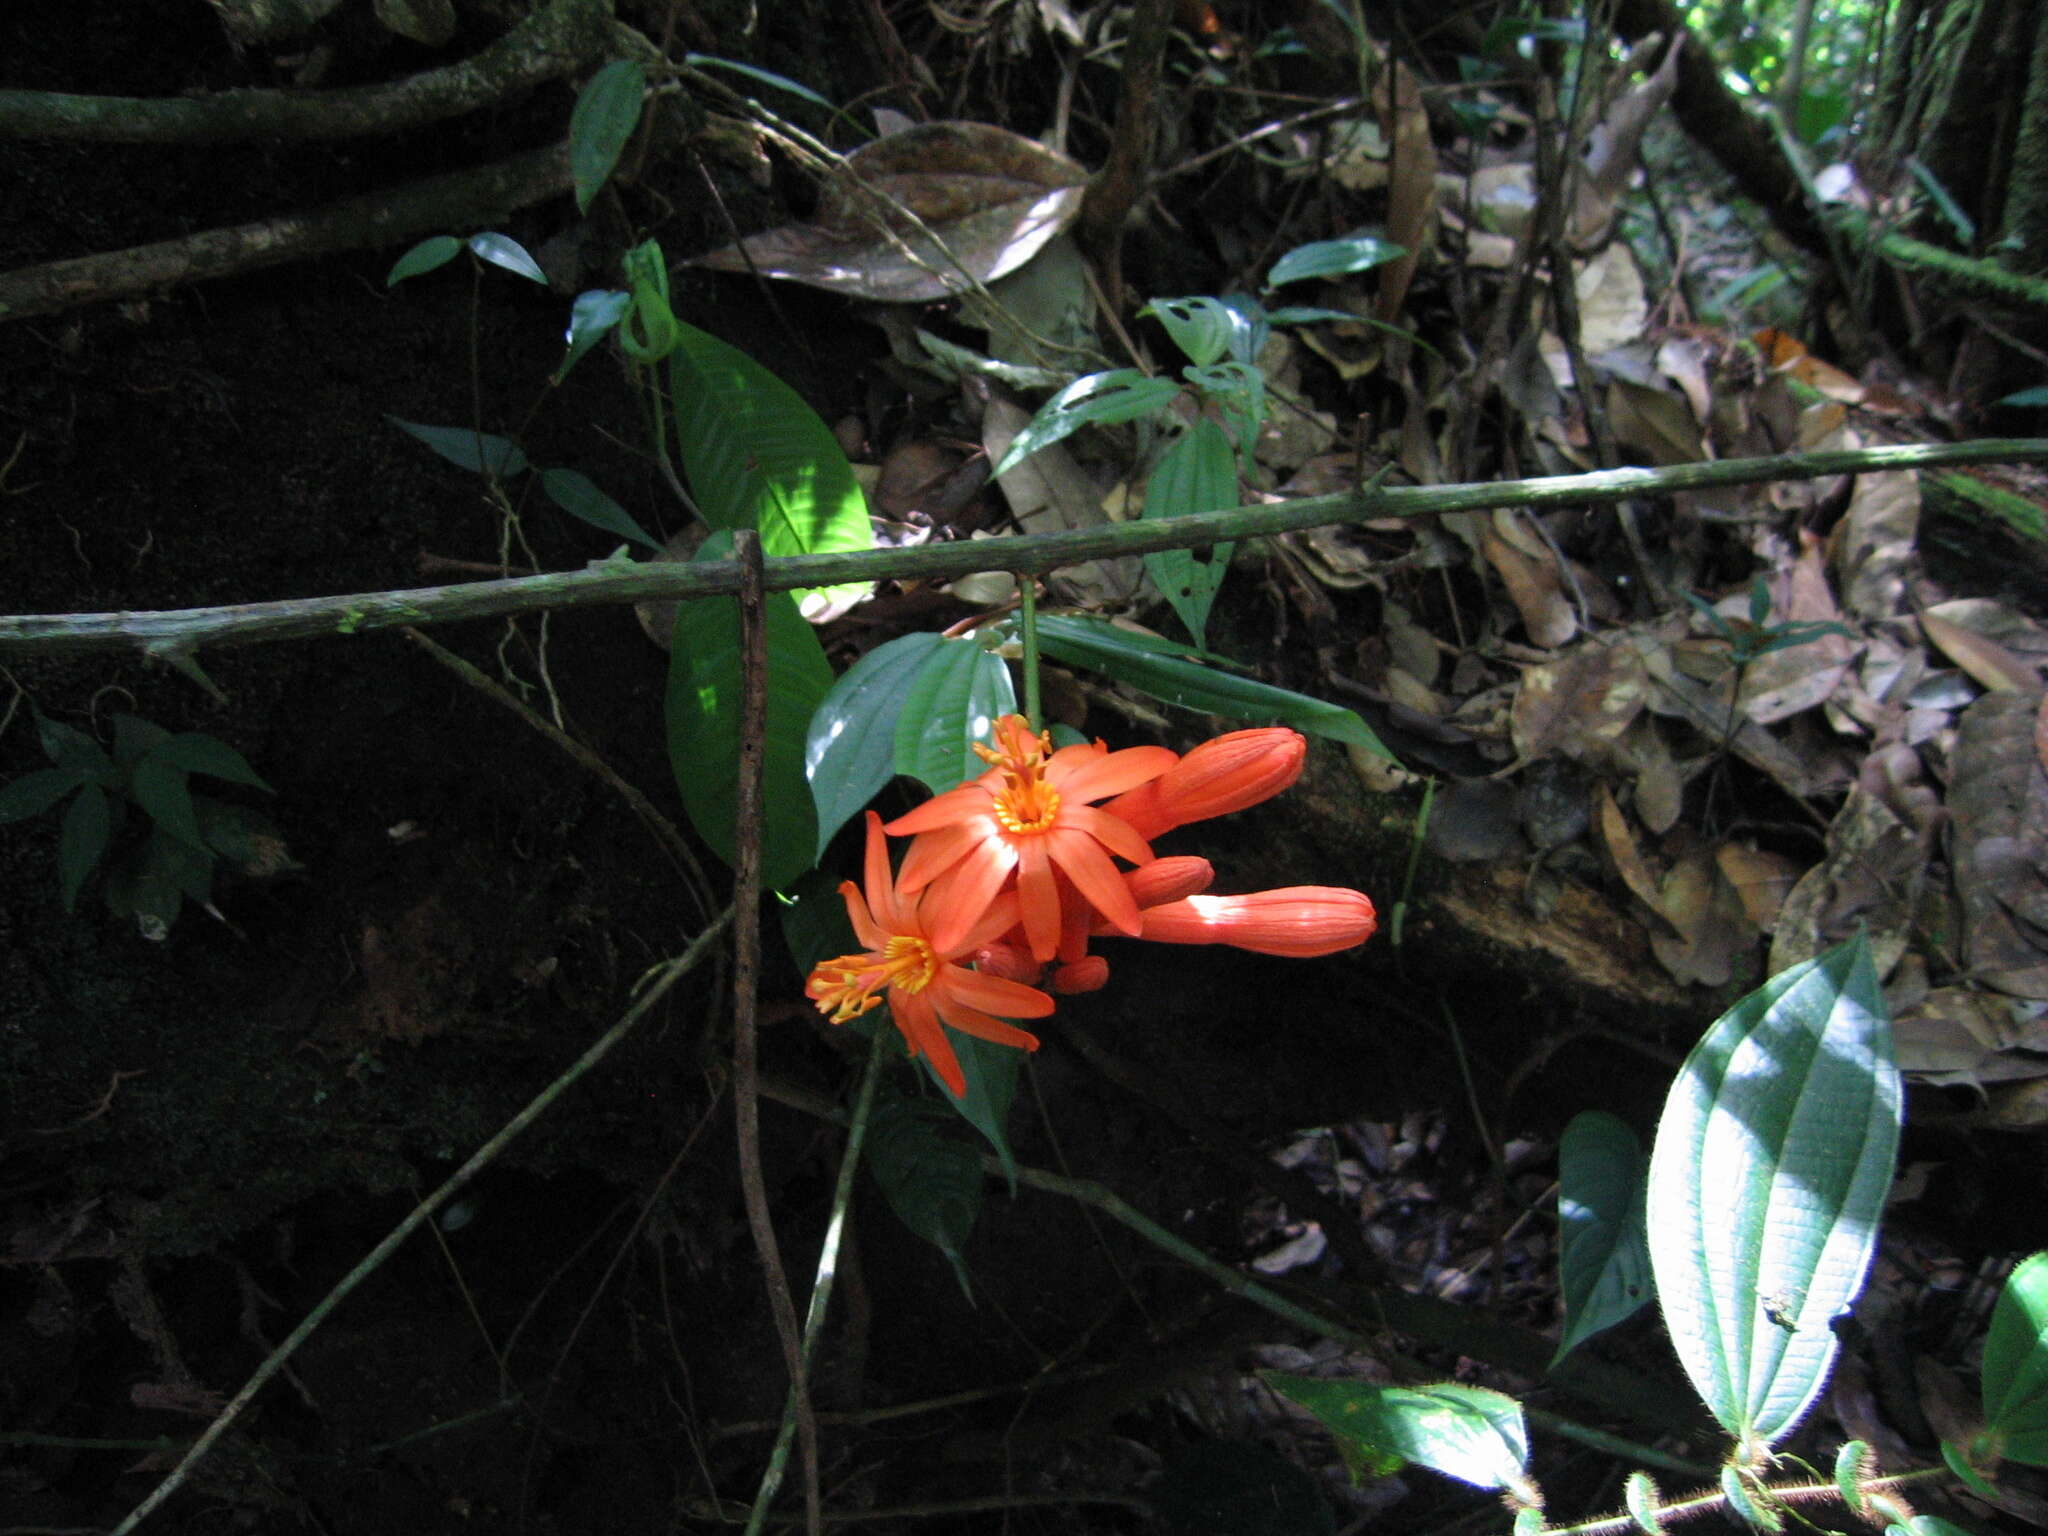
1029 814
907 958
1221 775
1162 880
1297 920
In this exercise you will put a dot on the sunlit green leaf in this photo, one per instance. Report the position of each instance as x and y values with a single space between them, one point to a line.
1470 1433
953 701
1201 327
850 748
1333 258
2016 1365
1095 399
764 76
1766 1184
607 111
593 316
1603 1259
1196 474
503 251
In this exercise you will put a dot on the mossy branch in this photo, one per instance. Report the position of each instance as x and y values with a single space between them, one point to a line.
619 581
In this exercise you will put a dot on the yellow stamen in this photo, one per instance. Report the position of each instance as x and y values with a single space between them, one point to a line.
1026 803
845 988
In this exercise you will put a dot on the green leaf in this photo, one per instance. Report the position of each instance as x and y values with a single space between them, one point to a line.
35 792
592 317
134 737
1745 1503
1333 258
1470 1433
436 251
2016 1365
703 714
159 786
88 827
2033 395
1200 327
1926 1525
606 113
1196 474
1603 1259
953 702
477 452
756 456
1766 1184
991 1072
1095 399
1639 1496
850 748
764 76
931 1178
196 752
814 921
577 494
1240 390
1101 647
504 251
70 748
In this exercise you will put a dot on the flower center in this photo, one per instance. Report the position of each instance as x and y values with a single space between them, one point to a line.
1026 803
846 987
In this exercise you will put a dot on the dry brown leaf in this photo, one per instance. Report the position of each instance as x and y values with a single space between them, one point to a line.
1872 874
1998 800
1655 421
1990 663
1411 188
1612 149
1613 309
1660 787
1533 581
1706 711
1760 878
2041 734
1959 1035
1619 851
1683 360
1708 916
1873 545
1578 705
991 197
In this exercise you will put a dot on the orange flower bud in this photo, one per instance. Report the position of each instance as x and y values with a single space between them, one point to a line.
1011 961
1087 974
1221 775
1168 879
1299 921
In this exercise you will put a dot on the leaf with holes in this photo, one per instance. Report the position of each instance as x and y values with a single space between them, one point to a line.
1767 1181
1202 327
1196 474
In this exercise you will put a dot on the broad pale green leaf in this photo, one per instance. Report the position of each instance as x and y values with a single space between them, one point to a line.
703 715
850 749
593 316
1196 474
196 752
1201 327
578 495
1333 258
477 452
1603 1258
1101 647
1095 399
436 251
1766 1184
35 792
953 702
503 251
607 111
88 827
756 456
931 1178
1469 1433
2016 1365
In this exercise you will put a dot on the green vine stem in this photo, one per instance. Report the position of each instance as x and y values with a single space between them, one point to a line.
1708 1500
1027 629
178 633
656 987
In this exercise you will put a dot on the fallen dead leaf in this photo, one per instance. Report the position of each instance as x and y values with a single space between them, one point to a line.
1760 878
1707 915
1578 705
1872 875
1998 802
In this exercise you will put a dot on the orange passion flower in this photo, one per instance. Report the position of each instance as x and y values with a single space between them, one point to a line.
912 961
1031 815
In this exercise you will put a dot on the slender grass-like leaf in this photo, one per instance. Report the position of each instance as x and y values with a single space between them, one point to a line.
1333 258
607 111
1095 399
1766 1184
764 76
1103 648
850 747
953 702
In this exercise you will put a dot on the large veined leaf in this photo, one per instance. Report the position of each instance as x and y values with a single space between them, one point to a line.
954 701
1197 474
850 749
1766 1184
931 1178
1470 1433
703 713
2016 1366
1603 1257
1101 647
756 456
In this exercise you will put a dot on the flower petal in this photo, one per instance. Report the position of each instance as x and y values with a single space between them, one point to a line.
989 993
1098 880
971 1021
872 935
956 804
1038 898
933 853
1169 879
953 908
881 885
1113 834
1090 973
998 920
1110 774
919 1022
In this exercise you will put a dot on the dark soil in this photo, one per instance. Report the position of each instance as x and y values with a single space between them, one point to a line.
200 1136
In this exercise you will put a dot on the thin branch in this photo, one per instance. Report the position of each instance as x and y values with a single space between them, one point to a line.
179 632
549 43
434 205
665 977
